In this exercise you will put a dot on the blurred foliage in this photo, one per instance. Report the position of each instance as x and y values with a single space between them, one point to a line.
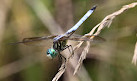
111 60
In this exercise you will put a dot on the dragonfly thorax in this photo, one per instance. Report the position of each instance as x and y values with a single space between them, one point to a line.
59 45
51 53
59 37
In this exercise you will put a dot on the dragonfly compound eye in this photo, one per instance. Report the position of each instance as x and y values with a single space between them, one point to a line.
51 53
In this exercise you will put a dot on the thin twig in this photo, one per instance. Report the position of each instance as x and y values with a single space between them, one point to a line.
106 22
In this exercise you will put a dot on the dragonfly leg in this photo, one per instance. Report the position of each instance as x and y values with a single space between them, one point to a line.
61 57
71 52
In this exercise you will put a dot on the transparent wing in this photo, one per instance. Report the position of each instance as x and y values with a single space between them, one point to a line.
34 40
86 38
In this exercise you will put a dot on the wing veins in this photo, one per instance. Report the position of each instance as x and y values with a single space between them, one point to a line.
33 39
96 38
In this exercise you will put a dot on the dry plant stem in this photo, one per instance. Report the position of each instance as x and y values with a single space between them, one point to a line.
106 22
134 60
61 71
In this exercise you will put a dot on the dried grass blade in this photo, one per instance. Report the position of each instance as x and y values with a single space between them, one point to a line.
82 57
106 22
78 45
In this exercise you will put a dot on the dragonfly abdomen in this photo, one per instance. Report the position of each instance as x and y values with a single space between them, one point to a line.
75 27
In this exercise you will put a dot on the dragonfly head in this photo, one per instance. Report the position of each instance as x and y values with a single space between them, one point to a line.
51 53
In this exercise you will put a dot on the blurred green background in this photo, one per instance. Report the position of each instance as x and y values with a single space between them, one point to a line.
108 61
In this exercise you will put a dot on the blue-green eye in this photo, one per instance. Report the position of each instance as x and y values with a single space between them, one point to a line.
51 53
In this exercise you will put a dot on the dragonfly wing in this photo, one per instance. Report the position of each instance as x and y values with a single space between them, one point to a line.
95 39
34 40
98 39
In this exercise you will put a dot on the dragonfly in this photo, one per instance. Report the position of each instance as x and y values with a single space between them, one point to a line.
60 41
